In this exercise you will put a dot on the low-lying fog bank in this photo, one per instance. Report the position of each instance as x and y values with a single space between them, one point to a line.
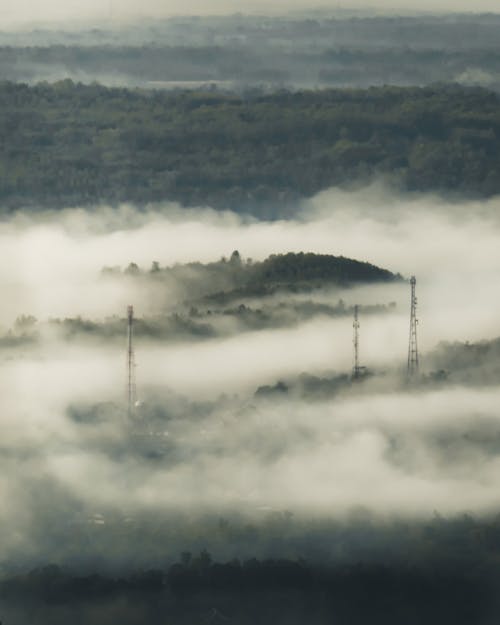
79 474
73 469
54 261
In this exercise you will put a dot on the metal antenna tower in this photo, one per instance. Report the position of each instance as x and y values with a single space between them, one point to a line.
356 370
131 388
412 345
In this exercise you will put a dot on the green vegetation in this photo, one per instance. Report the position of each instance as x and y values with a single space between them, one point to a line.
70 144
226 280
467 363
260 63
222 298
309 387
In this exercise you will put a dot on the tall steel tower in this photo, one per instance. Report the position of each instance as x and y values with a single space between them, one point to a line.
356 370
412 345
131 388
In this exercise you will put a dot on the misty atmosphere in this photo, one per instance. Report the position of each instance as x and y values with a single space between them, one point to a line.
249 333
261 53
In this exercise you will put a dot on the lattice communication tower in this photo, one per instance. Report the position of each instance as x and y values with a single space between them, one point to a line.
412 344
131 387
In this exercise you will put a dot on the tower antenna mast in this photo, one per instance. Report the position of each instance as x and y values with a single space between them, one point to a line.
356 368
412 345
131 388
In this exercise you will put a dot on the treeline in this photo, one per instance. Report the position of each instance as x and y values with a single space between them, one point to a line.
260 62
270 51
291 270
271 591
310 267
194 322
340 27
468 362
69 144
203 301
335 571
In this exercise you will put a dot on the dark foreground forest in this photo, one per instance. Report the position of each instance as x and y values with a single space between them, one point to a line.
451 586
255 593
68 144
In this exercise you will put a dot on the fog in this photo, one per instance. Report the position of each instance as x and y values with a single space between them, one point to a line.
257 46
54 261
27 11
201 442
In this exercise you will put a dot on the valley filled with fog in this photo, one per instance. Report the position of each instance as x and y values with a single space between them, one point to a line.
243 422
222 403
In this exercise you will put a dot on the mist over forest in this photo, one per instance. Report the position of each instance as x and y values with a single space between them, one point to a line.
237 52
209 227
250 440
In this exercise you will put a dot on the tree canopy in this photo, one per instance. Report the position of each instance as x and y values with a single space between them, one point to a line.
68 144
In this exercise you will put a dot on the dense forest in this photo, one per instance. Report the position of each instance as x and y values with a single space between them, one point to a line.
69 144
200 591
235 68
441 571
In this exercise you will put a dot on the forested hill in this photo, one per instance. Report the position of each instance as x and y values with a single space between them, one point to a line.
283 268
235 277
224 298
67 144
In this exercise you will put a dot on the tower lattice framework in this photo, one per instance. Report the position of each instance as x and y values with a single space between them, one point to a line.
412 345
356 370
131 386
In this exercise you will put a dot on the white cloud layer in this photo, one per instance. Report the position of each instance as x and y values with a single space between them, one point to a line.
389 450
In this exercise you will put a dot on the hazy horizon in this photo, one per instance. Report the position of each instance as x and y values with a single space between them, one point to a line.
26 13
